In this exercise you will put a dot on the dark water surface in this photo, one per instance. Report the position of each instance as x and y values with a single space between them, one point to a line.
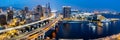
81 29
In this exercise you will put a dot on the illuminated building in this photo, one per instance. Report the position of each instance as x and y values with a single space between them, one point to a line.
3 18
9 14
26 9
48 9
38 12
22 15
66 11
39 9
44 11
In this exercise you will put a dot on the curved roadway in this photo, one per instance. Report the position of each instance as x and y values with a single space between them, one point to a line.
5 30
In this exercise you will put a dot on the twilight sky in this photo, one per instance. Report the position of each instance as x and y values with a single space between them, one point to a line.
57 4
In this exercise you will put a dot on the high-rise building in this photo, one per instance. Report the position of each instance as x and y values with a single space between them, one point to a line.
3 18
41 11
9 14
44 11
48 9
38 12
66 11
39 8
26 9
22 14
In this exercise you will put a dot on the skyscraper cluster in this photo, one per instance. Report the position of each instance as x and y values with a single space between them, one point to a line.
26 14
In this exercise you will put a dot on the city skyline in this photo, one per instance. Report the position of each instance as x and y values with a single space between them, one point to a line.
59 20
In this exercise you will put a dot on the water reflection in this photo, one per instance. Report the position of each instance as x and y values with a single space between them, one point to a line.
66 29
107 25
99 30
114 23
88 30
92 26
81 25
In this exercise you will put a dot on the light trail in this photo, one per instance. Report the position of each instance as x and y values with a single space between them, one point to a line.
1 31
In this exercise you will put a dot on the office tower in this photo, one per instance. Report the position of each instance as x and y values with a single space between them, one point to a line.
95 17
10 14
48 9
22 14
39 8
3 20
26 9
38 12
44 11
66 11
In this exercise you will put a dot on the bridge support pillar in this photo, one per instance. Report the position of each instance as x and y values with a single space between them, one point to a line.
37 25
43 36
44 23
40 37
41 25
53 28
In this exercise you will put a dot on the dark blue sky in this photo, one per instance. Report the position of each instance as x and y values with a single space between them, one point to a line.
57 4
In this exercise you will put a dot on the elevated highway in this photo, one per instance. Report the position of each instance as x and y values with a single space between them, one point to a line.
41 32
34 26
26 24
